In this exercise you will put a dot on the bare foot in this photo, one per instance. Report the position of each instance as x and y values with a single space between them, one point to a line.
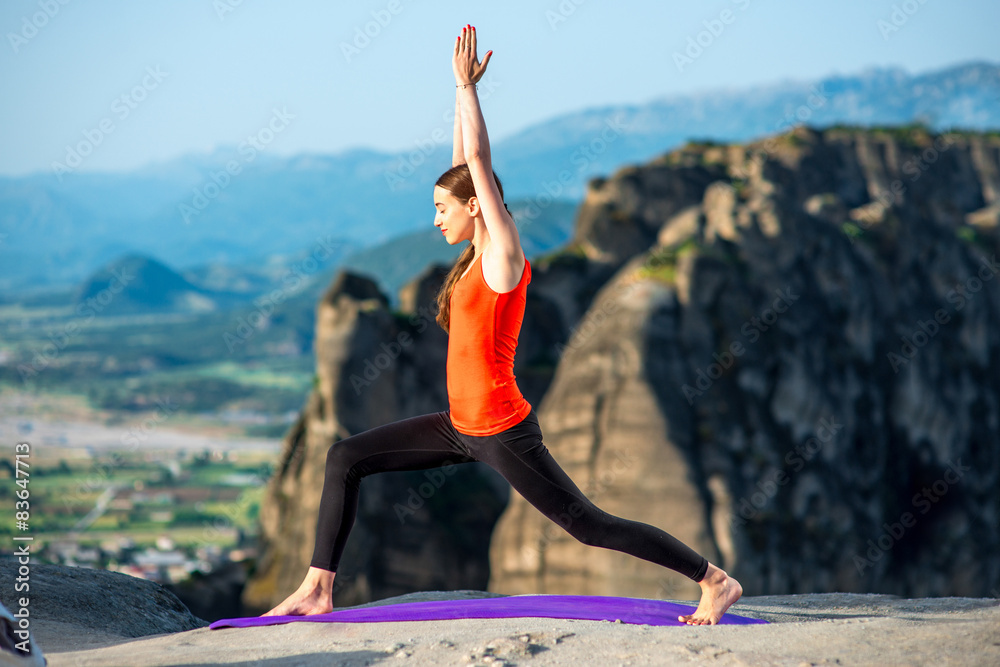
718 592
314 596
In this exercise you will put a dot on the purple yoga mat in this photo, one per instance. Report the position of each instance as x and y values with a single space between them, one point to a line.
587 607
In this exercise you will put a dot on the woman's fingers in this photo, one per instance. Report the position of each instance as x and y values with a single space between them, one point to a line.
465 53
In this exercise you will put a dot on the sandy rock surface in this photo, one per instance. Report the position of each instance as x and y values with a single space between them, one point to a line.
805 630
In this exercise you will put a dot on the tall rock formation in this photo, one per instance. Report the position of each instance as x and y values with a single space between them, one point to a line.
795 370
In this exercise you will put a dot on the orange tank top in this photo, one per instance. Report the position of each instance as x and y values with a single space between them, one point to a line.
482 392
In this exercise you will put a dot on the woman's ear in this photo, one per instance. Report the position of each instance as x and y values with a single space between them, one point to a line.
473 206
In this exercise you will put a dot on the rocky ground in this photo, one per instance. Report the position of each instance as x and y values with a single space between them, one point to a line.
847 629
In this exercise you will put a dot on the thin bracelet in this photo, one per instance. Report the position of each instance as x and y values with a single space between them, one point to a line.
463 85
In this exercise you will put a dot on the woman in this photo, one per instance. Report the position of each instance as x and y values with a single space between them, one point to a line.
481 306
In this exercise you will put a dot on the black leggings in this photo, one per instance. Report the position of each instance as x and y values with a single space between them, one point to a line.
430 440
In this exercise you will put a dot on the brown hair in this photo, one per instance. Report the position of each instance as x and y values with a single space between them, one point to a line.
458 181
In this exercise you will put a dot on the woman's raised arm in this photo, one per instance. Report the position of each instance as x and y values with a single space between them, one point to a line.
504 239
458 150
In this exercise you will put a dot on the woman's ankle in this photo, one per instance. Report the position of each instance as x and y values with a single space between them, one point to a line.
319 579
714 575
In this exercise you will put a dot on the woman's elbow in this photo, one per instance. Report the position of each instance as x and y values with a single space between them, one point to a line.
474 154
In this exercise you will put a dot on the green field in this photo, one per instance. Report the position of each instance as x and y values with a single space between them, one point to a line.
127 364
195 500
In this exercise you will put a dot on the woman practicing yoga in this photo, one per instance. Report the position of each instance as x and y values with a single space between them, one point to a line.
481 306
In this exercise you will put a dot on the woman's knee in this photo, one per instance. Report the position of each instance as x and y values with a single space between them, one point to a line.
340 458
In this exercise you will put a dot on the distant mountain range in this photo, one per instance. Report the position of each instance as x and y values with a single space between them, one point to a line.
137 284
187 214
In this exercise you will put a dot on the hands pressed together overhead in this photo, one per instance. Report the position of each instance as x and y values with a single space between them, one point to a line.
466 64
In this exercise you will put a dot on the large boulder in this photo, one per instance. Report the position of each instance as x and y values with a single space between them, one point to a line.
111 603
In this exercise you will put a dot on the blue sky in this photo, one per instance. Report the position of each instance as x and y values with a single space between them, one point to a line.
222 67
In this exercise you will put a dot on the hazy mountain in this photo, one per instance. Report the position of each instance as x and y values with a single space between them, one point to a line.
188 212
135 284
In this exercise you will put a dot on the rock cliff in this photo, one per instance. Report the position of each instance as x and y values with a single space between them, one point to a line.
795 370
784 353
